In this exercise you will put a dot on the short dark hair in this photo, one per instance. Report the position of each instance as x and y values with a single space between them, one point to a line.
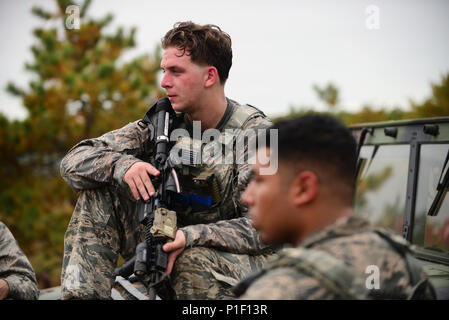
206 44
323 143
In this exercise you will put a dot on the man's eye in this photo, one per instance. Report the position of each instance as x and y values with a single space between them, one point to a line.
256 178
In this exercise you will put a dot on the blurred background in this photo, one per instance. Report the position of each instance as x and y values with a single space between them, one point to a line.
72 70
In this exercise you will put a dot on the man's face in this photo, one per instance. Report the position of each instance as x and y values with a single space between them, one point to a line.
183 79
267 199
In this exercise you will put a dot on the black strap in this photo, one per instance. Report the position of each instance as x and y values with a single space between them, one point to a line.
419 284
240 288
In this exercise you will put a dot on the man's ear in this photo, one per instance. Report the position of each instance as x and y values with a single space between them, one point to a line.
211 76
304 188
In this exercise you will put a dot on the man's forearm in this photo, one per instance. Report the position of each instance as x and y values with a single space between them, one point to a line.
236 236
103 161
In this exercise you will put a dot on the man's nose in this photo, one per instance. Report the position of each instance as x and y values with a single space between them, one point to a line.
165 83
247 197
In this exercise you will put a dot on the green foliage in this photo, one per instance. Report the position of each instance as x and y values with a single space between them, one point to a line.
328 94
437 105
78 91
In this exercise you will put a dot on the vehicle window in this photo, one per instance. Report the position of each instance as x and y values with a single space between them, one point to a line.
431 231
382 185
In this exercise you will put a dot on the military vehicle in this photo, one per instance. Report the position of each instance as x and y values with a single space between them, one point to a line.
402 184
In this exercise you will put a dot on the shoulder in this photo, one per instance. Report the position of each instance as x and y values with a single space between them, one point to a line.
300 273
128 134
248 116
8 243
5 233
361 249
258 120
285 283
371 256
131 127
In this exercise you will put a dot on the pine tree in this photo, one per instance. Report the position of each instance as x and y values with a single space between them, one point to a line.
79 90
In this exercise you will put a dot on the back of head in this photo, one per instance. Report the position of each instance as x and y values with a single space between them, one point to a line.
205 44
322 144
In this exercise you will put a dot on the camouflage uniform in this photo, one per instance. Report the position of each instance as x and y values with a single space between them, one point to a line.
15 268
105 220
334 263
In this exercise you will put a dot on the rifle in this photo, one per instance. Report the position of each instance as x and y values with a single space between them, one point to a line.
150 260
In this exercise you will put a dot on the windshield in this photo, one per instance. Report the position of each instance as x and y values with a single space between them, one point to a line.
432 232
382 184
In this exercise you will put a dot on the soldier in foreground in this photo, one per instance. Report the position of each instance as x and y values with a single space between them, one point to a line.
221 245
17 278
309 203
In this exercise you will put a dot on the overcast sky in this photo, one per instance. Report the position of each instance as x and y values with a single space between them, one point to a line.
381 53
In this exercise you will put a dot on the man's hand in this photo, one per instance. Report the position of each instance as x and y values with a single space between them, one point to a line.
174 248
4 289
138 180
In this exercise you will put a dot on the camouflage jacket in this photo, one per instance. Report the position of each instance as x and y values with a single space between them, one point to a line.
15 268
103 161
340 262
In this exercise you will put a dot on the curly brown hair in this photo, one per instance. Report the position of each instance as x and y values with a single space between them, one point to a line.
205 44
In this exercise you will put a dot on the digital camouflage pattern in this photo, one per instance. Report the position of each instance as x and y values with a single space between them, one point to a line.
333 263
104 224
15 268
204 273
228 167
105 221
